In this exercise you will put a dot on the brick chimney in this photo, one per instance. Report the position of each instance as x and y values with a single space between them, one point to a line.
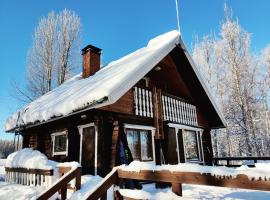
91 60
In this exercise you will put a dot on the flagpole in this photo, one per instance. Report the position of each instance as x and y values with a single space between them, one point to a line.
177 15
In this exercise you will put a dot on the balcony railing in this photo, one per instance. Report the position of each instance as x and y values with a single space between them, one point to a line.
143 102
174 109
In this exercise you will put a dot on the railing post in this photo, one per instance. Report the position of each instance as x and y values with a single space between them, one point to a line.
78 178
104 197
177 188
117 195
64 192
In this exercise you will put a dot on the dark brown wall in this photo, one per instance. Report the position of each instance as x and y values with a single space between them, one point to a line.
207 147
123 105
170 146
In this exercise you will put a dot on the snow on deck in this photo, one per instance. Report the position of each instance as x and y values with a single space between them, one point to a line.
9 191
261 170
109 84
195 192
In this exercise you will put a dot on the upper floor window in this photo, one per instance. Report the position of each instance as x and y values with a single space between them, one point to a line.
60 143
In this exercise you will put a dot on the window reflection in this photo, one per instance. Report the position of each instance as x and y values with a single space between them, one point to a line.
140 144
191 145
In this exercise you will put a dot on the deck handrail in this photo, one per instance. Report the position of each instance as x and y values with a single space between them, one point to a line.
25 176
238 158
62 184
177 179
101 190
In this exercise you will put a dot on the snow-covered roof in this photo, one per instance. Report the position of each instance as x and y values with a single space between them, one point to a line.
103 88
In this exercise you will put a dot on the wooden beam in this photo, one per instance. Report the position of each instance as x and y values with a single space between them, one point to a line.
30 171
158 116
115 138
241 181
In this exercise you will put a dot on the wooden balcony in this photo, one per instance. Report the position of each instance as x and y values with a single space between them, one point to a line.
143 102
177 110
174 109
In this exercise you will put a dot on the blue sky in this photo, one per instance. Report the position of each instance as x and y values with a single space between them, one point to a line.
118 27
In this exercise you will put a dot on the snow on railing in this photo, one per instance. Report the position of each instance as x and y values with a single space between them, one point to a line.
143 102
69 171
32 177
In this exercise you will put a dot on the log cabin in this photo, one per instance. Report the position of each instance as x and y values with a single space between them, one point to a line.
151 105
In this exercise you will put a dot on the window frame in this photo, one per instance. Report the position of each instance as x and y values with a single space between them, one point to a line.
151 131
55 134
80 128
198 132
198 146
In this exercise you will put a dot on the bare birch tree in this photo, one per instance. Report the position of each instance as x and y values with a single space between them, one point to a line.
68 43
231 71
55 49
41 61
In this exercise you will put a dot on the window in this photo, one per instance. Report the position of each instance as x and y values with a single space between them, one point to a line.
192 145
140 144
60 143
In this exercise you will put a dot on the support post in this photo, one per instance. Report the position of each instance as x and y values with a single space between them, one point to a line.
78 178
177 188
64 192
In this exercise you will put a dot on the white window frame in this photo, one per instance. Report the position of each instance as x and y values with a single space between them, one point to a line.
81 127
148 128
198 131
53 141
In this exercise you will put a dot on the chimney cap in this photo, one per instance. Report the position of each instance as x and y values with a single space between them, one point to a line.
91 47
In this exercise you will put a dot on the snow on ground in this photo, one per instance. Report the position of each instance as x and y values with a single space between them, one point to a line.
2 169
262 170
19 192
207 192
88 183
195 192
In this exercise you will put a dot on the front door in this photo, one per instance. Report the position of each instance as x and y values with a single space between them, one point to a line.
88 149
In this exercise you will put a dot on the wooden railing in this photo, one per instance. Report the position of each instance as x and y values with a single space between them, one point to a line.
101 191
26 176
177 110
62 184
143 102
177 179
238 161
174 109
